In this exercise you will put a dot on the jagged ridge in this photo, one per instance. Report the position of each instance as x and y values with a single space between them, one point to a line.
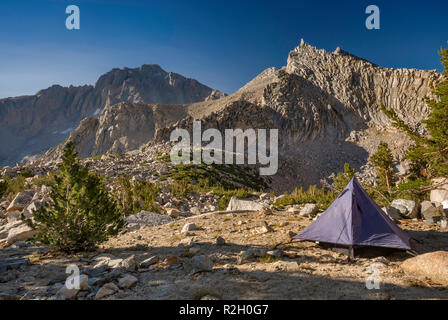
325 105
35 123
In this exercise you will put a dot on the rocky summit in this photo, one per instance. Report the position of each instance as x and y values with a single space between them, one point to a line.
319 101
30 125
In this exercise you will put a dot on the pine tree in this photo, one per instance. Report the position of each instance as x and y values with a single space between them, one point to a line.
81 214
125 194
435 149
383 161
429 154
341 180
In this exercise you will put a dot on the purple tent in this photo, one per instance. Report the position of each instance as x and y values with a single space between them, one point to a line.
354 219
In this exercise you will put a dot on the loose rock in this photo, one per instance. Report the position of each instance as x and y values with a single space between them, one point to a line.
149 262
106 290
146 219
432 265
83 282
441 194
393 212
431 211
200 263
127 281
220 241
67 294
237 204
20 233
21 201
407 208
309 210
129 264
189 227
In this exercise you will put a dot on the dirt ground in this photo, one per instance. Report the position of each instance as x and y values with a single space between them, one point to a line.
305 271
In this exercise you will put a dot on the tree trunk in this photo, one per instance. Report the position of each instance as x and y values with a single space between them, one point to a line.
387 182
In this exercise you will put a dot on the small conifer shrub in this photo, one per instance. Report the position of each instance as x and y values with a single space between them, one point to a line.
81 214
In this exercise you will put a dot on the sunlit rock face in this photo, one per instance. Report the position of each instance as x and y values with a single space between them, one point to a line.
32 124
326 106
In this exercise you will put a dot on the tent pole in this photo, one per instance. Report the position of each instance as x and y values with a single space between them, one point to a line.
351 253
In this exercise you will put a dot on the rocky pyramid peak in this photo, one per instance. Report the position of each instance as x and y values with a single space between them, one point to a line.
151 67
117 75
306 54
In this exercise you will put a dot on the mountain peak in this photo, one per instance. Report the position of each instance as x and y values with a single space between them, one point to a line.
34 123
150 68
308 56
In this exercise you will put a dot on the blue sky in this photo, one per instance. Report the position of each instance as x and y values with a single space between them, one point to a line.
223 44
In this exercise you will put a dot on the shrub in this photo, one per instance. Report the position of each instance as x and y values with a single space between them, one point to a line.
223 203
134 197
47 180
343 178
124 195
145 194
180 189
3 187
26 173
11 186
323 196
221 179
82 214
316 195
383 161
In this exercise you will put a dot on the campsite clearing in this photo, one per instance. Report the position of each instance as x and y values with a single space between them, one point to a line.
304 271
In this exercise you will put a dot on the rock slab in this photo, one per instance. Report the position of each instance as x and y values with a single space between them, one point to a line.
433 265
237 204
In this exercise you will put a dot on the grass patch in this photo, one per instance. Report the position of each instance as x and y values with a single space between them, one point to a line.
96 158
224 181
163 157
316 195
175 238
12 186
46 180
132 197
34 258
26 173
267 259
